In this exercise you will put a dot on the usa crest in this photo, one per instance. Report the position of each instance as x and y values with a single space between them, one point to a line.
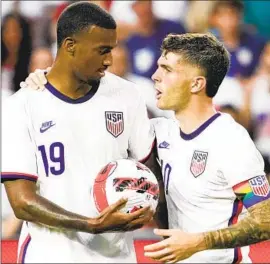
198 163
260 185
114 122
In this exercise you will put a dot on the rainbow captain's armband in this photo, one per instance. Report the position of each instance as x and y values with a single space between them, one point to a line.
253 191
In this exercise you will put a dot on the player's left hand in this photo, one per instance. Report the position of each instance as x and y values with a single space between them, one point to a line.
178 246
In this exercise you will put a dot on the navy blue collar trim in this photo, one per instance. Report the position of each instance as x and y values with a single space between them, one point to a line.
67 99
199 130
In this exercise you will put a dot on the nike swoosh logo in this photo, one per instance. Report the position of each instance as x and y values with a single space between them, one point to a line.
164 145
42 130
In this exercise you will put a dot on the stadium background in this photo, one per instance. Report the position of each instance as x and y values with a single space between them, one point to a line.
28 42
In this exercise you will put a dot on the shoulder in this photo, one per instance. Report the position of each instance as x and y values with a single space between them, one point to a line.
122 87
140 81
119 83
163 124
14 107
234 135
16 100
20 101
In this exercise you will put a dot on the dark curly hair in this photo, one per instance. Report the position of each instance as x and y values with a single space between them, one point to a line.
203 51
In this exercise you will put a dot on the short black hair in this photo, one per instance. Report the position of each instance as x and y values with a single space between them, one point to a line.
203 51
80 16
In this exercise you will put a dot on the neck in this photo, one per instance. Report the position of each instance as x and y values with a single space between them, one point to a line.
195 115
63 79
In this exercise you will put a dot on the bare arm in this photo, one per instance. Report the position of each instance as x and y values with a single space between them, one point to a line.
29 206
161 215
181 245
252 229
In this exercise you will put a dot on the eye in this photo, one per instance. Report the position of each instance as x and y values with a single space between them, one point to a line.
167 70
104 51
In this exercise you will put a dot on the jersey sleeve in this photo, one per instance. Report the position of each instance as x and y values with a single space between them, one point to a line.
18 151
253 191
242 159
142 136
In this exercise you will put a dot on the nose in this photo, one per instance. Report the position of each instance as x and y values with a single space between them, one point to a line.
108 60
155 77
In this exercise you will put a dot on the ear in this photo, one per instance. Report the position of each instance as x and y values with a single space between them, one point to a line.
198 84
69 45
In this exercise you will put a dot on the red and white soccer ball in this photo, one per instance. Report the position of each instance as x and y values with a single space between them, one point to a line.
126 178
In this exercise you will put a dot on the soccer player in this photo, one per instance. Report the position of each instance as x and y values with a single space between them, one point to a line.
216 189
56 141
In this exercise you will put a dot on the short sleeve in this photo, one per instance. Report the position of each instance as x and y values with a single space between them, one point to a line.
18 151
242 159
142 136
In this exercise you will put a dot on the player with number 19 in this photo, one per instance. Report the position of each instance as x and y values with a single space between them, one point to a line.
56 141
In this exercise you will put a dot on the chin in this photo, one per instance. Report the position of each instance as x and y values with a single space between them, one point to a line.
161 105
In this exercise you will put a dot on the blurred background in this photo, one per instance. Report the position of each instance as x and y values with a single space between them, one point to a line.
28 42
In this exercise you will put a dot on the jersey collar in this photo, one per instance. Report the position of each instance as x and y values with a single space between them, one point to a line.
200 129
67 99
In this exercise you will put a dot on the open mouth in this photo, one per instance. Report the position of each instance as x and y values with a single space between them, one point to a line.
158 94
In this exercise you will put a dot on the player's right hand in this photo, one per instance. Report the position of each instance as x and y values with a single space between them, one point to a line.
111 220
36 80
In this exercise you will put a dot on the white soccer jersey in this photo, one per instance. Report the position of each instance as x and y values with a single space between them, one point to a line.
199 171
62 144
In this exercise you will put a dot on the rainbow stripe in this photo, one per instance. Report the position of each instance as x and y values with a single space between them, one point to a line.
247 195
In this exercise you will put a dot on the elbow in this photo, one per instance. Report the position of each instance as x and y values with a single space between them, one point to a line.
19 213
20 208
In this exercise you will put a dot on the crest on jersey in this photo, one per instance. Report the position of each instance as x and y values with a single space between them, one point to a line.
260 185
198 163
114 122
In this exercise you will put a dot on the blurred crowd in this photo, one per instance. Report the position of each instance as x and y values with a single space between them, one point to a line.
28 42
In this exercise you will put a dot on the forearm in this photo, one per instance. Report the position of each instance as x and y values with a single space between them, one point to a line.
40 210
252 229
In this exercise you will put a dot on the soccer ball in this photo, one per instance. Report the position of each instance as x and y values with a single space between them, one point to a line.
126 178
